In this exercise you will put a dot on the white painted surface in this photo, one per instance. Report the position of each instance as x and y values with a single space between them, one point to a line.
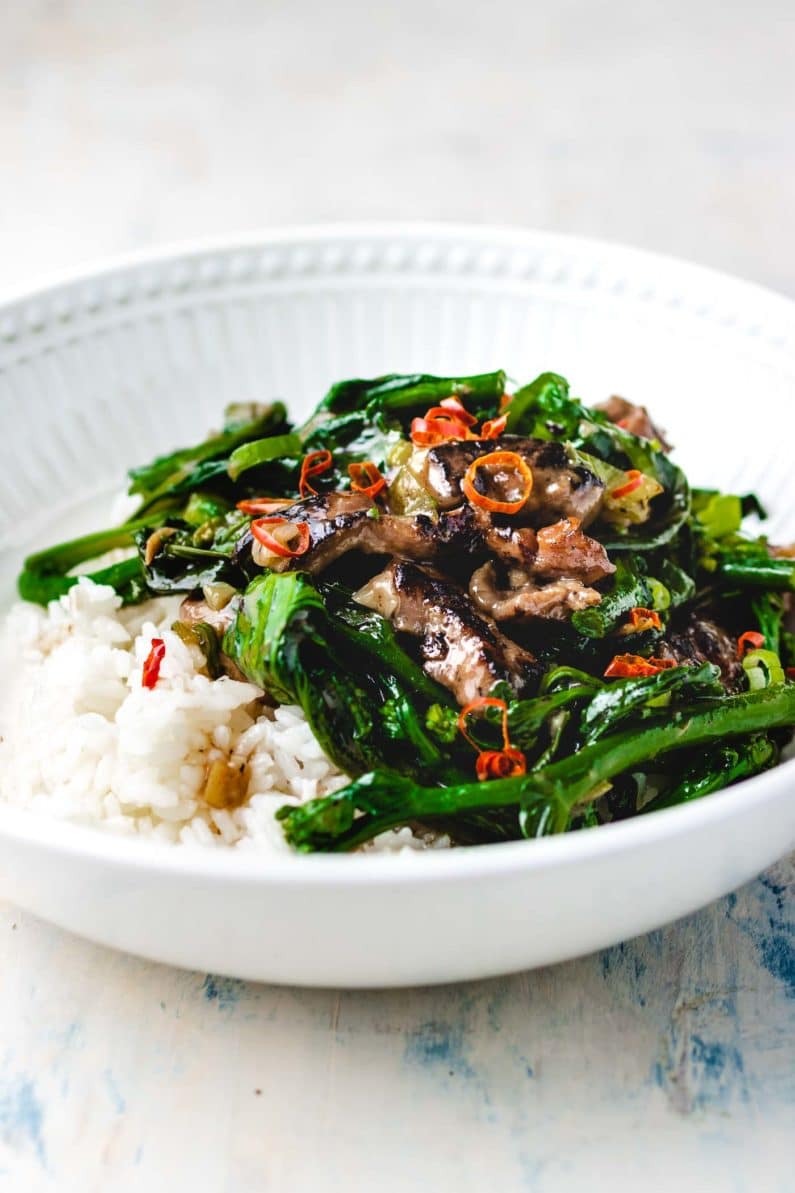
667 1063
663 1064
665 125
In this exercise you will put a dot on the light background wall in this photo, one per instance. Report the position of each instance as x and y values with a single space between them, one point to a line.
667 124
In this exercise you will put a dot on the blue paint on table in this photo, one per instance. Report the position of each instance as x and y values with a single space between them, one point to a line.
226 992
114 1093
679 1044
22 1115
440 1044
772 930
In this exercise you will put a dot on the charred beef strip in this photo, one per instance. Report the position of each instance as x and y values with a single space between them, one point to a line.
632 418
561 554
553 551
563 550
560 488
700 640
460 648
519 598
342 522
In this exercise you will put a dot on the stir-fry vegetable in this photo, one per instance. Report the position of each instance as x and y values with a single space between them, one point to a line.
503 614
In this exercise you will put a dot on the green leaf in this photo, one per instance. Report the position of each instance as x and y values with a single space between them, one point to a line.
719 514
261 451
364 697
767 610
397 392
715 769
621 699
628 590
126 578
545 400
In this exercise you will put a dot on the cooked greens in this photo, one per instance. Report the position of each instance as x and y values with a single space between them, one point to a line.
502 616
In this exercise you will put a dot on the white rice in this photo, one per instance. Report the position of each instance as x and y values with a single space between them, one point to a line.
83 740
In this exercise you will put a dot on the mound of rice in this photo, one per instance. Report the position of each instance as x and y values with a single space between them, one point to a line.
82 739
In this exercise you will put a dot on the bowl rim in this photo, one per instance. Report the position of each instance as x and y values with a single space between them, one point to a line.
503 235
92 842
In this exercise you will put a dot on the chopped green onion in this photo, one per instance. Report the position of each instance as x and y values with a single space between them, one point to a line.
249 455
762 668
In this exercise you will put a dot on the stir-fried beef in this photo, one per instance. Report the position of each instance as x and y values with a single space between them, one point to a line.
563 550
560 488
553 551
519 598
632 418
460 648
699 640
561 554
342 522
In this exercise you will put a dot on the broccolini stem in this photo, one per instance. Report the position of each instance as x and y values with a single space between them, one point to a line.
774 575
544 799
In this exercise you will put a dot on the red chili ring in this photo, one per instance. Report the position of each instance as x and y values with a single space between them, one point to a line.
493 427
266 538
313 464
634 481
750 640
368 470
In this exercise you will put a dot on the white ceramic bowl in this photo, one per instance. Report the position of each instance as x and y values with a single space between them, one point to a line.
104 371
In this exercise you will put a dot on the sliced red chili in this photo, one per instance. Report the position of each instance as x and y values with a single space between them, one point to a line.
453 416
493 427
313 464
473 706
631 666
641 619
505 401
449 420
424 434
789 672
633 482
151 668
437 428
263 505
261 533
454 406
750 640
493 764
509 461
366 478
500 764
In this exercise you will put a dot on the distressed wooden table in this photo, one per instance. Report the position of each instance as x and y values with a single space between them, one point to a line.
663 1064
